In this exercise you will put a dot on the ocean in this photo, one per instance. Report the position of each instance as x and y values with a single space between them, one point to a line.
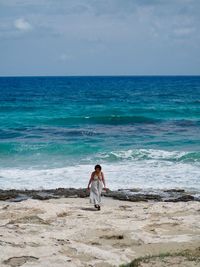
143 130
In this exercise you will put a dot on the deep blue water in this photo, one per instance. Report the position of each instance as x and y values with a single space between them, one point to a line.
143 130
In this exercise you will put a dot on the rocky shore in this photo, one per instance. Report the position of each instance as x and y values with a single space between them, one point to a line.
134 194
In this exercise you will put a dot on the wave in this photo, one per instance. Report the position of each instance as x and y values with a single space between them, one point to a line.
45 149
87 153
19 108
37 133
111 119
196 101
137 174
150 154
9 134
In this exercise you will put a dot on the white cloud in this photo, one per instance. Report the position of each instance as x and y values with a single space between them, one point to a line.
184 31
65 57
22 25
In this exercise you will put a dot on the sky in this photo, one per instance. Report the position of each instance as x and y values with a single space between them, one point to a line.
99 37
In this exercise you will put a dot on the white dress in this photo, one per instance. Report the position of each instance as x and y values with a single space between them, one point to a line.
95 190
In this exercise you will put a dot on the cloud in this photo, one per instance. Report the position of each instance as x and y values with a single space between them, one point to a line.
22 25
184 32
102 35
65 57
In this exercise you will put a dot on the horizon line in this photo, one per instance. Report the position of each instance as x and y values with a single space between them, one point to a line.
120 75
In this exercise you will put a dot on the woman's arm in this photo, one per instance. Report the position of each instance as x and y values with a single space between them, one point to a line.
91 178
103 179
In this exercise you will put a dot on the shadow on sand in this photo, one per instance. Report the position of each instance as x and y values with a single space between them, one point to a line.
90 209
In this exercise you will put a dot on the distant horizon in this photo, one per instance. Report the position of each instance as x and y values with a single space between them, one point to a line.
100 75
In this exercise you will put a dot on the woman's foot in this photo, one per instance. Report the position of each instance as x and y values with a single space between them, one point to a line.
97 207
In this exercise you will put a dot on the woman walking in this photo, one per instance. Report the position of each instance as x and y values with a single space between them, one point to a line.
97 181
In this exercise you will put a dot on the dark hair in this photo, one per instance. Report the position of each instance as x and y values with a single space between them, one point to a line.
97 167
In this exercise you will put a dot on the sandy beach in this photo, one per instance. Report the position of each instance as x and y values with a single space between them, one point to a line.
69 232
99 133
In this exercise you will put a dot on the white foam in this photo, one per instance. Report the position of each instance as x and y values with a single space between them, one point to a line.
129 174
145 153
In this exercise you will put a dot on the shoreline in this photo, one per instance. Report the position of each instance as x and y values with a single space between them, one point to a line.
128 194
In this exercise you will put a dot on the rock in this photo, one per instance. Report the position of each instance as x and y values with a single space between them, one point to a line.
112 237
184 198
134 190
19 261
31 219
174 190
134 195
7 194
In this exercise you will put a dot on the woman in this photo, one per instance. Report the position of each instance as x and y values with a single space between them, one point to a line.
96 180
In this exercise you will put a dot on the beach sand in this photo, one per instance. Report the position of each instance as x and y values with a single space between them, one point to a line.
70 232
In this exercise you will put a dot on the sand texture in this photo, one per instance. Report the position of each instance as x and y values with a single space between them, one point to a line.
70 232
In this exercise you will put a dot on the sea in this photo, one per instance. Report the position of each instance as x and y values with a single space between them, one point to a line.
143 130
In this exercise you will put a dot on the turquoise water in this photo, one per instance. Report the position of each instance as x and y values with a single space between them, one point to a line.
145 131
